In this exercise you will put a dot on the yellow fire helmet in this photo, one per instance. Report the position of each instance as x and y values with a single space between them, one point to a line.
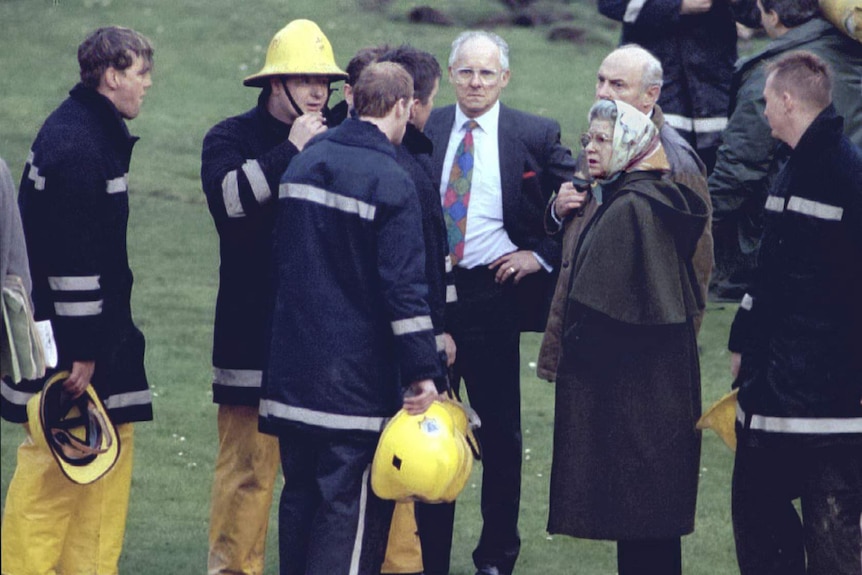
78 431
721 418
298 48
421 457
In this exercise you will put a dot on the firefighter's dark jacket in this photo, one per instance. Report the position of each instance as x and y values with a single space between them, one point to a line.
75 208
242 161
351 327
798 328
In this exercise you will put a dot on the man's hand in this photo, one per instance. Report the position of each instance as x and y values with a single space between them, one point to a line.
735 361
82 373
569 199
419 397
515 266
450 348
306 127
695 6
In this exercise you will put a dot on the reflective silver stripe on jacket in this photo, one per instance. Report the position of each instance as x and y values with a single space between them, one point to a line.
33 173
257 181
269 407
360 528
747 302
451 294
775 204
14 396
633 10
815 209
810 425
77 308
129 399
440 340
412 325
74 283
696 125
230 195
329 199
237 377
448 264
118 185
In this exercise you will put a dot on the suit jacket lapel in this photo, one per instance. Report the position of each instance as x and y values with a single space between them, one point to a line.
438 132
511 163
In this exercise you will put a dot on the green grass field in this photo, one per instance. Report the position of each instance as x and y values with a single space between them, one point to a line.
203 50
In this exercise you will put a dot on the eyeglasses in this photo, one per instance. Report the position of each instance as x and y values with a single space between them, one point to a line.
599 138
464 76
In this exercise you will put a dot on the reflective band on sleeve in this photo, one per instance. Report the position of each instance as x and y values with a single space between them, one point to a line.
747 302
14 396
74 283
78 308
697 125
33 173
451 294
257 181
329 199
440 340
237 377
633 10
775 204
448 264
130 399
279 410
412 325
815 209
808 425
118 185
230 196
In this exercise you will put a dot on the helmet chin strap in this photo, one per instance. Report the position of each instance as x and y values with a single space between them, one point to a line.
297 109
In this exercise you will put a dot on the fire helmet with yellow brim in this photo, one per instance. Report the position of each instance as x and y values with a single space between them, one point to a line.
421 457
300 48
721 418
77 431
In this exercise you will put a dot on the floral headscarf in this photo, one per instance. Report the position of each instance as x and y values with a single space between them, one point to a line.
636 143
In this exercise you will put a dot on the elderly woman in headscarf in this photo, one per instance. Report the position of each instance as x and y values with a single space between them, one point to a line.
626 452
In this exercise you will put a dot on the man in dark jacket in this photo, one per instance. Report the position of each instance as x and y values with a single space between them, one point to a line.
747 162
352 338
242 162
797 357
695 41
74 202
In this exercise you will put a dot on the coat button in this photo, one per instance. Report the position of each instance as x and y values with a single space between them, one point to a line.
565 264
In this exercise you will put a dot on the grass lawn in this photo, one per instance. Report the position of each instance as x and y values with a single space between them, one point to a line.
203 50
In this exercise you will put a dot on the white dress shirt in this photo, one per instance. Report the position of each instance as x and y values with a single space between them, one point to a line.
485 239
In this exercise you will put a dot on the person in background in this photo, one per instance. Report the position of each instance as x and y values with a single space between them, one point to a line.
628 381
695 41
747 162
242 161
352 337
74 202
496 168
634 76
796 351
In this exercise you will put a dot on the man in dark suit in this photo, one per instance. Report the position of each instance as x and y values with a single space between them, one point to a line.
497 167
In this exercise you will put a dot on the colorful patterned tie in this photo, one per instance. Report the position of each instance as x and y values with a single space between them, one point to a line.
457 195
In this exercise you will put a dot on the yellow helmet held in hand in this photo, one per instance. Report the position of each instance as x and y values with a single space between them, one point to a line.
721 418
421 457
298 48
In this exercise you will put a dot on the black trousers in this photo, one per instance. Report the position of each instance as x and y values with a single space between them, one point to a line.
770 537
650 557
329 520
486 332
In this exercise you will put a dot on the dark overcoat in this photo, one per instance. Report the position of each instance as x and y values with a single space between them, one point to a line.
626 452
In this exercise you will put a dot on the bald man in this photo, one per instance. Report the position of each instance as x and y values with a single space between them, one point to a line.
633 75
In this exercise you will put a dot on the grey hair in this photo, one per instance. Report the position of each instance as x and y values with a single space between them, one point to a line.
603 110
652 74
476 34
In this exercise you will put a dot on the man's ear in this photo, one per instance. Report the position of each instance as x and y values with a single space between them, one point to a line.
416 102
789 102
110 78
347 90
504 77
652 93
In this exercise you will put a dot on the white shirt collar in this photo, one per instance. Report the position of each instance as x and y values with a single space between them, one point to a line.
488 121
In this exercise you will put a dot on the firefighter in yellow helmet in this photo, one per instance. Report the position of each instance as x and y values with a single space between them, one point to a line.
242 162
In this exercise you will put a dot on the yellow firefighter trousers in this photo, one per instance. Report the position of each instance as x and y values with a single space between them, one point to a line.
245 472
403 552
52 525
